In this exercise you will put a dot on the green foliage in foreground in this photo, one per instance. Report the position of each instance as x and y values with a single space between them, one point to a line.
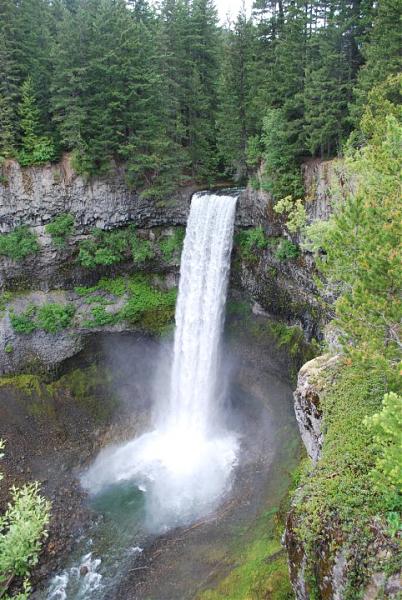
22 530
51 317
61 228
18 244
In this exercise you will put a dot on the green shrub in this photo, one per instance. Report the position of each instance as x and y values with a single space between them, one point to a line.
295 212
51 317
141 250
101 317
153 308
173 244
54 317
18 244
287 250
5 298
387 429
25 321
105 248
8 348
250 240
145 305
22 529
61 228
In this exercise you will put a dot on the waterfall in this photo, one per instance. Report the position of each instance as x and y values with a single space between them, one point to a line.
184 465
200 310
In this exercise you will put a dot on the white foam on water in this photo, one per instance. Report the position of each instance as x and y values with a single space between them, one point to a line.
80 582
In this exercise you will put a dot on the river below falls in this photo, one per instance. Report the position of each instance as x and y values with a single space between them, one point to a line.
113 555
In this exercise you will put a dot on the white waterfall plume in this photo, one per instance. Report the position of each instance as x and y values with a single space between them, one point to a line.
185 464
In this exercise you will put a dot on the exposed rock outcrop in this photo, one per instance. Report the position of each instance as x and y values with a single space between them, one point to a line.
307 403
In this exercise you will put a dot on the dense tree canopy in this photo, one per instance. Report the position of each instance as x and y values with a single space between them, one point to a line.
178 97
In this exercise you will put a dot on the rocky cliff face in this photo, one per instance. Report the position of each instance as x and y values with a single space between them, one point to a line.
35 196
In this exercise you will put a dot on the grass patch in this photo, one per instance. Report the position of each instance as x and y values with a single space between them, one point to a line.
263 574
18 244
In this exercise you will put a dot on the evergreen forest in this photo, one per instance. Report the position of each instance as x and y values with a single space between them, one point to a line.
179 98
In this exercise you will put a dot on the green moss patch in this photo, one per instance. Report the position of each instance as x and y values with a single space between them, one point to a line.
339 493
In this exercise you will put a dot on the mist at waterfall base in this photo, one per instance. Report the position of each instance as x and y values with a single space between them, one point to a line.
185 464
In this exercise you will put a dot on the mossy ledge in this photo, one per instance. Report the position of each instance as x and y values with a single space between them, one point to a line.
337 540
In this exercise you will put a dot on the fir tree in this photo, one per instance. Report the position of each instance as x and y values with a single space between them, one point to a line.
35 149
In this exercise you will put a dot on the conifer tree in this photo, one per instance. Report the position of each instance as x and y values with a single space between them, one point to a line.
236 118
35 148
9 79
382 52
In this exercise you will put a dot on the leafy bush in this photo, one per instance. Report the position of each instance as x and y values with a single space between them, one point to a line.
287 250
24 322
295 211
105 248
152 307
250 240
172 244
101 317
141 250
146 305
61 228
54 317
18 244
51 317
22 529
